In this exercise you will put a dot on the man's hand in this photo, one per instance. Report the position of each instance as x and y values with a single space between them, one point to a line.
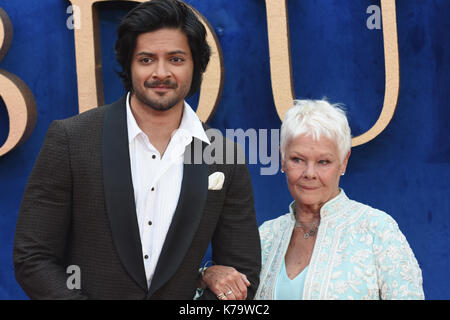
225 282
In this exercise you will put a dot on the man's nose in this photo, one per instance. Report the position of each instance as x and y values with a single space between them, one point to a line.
161 71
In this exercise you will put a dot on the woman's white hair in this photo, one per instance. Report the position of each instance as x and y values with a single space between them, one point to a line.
316 118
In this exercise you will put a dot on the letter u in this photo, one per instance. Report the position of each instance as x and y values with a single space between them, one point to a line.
281 67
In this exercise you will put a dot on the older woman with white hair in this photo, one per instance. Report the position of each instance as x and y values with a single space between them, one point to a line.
327 246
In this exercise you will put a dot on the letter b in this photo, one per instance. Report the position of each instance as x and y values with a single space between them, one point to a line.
17 97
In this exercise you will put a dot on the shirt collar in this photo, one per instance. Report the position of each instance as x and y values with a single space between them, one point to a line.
331 206
133 128
190 125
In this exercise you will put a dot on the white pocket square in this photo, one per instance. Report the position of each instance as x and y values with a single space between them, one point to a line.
215 181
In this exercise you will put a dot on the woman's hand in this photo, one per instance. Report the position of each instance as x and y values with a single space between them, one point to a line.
225 282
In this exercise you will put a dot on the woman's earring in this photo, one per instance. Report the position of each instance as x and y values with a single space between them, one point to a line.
282 171
342 173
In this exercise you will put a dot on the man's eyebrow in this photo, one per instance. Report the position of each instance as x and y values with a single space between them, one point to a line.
146 53
177 52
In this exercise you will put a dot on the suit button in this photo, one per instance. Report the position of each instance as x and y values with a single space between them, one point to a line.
149 223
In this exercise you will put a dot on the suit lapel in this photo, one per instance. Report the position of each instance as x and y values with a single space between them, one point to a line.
119 193
185 221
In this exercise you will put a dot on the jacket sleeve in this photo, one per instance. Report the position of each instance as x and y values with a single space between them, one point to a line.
236 240
43 223
398 272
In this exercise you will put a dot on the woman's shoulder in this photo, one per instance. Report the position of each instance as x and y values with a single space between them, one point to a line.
373 212
365 215
276 223
274 227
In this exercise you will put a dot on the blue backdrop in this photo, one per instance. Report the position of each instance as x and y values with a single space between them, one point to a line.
405 171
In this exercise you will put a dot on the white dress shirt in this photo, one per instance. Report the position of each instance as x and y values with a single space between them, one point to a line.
157 181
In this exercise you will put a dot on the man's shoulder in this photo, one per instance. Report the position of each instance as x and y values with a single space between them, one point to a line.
226 150
217 137
83 128
93 115
90 119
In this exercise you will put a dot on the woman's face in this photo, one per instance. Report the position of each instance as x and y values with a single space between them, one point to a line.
313 169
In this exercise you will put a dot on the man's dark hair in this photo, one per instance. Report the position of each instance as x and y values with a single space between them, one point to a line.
154 15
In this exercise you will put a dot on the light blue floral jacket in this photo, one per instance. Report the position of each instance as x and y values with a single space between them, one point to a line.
359 253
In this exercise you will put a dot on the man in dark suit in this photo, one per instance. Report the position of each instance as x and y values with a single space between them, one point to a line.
109 197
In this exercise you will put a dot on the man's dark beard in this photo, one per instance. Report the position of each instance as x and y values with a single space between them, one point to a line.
155 105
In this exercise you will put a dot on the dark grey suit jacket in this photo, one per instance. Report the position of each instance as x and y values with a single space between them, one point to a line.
79 209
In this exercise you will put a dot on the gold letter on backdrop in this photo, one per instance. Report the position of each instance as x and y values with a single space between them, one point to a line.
281 73
18 99
391 70
89 64
280 55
